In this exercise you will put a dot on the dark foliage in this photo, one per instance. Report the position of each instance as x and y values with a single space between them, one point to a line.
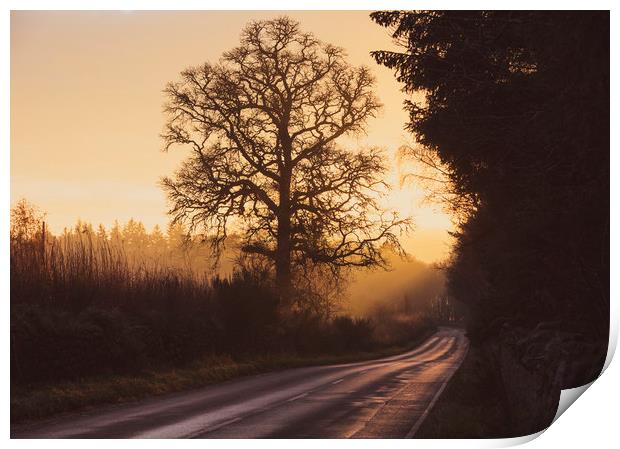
247 310
517 111
80 312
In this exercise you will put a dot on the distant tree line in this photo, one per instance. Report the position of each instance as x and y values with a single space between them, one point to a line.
174 249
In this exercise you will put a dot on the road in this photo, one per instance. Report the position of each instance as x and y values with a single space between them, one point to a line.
385 398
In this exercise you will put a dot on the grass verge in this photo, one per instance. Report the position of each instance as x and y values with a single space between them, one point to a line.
43 401
471 405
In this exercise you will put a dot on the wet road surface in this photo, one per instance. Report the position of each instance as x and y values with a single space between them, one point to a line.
385 398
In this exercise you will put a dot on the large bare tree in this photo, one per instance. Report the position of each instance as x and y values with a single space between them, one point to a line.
263 125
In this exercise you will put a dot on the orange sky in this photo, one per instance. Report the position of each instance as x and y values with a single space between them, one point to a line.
86 108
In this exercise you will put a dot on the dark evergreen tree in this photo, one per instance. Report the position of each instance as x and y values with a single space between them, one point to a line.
517 112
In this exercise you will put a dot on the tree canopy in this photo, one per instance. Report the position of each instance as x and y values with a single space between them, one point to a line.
263 125
516 110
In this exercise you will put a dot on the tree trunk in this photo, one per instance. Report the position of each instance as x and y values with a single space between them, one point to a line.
283 250
283 257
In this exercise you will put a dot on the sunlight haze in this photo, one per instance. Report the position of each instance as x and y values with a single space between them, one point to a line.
86 109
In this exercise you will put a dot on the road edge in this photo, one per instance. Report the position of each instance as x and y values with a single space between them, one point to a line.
421 419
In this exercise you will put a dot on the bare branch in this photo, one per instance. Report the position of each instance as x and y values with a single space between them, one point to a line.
262 125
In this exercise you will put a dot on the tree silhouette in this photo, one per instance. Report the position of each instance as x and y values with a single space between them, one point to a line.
26 221
263 125
516 111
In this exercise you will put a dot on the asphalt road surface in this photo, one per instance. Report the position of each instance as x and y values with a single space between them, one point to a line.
385 398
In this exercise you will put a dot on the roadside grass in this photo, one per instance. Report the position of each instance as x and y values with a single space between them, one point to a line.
471 405
35 402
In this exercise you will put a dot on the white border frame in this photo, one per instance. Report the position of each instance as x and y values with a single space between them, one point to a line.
591 422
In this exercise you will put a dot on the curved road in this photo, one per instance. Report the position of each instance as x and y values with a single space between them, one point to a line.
385 398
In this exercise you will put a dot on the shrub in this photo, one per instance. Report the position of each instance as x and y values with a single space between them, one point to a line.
81 309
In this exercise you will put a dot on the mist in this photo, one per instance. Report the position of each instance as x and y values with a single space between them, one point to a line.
407 286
